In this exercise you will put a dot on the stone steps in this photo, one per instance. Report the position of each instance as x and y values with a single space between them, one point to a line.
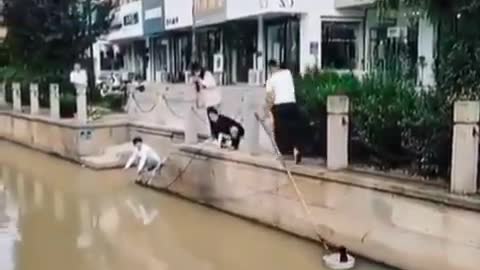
113 157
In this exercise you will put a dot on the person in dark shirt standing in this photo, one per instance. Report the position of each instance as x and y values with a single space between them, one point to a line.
225 130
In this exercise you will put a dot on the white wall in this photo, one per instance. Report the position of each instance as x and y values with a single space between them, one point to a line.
181 11
130 31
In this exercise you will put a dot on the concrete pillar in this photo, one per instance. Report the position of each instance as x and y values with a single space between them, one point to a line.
17 97
54 101
250 123
3 88
81 103
34 103
191 129
465 147
337 132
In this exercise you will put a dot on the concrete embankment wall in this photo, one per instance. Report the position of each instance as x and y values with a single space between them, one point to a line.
404 224
61 137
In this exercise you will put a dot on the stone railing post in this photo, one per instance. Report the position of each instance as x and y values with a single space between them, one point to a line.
54 101
82 115
337 132
3 88
191 127
17 97
465 147
34 103
251 123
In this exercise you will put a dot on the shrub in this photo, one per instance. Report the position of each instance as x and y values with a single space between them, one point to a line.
393 125
68 105
114 102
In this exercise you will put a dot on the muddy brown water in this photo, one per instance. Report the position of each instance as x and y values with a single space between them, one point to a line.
55 215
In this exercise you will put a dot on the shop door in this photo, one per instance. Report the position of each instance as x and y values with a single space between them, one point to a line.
246 48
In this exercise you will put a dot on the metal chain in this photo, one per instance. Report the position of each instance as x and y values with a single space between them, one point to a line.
140 108
172 111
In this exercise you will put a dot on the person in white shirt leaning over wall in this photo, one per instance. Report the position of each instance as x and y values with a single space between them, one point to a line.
147 160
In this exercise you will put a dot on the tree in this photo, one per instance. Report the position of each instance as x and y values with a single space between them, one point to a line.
50 35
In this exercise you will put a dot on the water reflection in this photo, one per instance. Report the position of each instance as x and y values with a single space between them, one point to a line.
102 222
58 205
8 224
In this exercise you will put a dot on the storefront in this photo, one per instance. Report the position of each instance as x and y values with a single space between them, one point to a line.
128 37
283 42
178 38
154 26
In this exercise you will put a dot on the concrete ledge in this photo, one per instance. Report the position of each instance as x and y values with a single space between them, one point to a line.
413 189
384 220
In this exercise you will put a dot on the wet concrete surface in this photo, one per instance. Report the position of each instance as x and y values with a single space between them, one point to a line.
56 215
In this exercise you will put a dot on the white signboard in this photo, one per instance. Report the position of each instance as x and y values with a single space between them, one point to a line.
153 13
218 63
396 32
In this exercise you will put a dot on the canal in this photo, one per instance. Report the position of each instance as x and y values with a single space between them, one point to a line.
56 215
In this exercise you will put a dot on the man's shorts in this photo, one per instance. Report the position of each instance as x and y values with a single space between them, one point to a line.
151 165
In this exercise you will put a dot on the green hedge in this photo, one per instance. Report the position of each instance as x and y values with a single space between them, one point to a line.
393 125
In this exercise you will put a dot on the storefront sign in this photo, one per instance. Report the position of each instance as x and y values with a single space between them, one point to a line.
396 32
352 3
218 63
178 13
153 16
153 13
130 19
128 22
210 11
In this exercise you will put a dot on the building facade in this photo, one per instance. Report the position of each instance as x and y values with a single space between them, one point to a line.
235 39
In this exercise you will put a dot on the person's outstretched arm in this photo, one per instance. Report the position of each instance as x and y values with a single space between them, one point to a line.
131 159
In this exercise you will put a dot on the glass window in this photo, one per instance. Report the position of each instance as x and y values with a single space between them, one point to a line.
340 45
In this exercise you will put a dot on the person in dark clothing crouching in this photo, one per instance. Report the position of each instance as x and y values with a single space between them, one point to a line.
225 130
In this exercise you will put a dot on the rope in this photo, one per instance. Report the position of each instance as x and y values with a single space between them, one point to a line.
294 183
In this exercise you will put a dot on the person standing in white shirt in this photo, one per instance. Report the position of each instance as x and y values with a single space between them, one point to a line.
147 160
281 102
208 94
78 76
206 87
